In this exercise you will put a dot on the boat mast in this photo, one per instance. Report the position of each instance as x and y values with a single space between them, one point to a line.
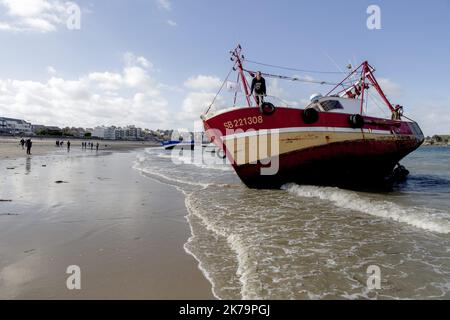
236 56
367 78
367 73
380 91
363 83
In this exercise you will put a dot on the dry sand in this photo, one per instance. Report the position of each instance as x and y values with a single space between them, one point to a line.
125 231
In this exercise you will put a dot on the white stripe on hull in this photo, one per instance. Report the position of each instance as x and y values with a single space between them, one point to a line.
302 129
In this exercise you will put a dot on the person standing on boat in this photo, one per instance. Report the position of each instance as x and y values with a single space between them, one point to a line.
259 86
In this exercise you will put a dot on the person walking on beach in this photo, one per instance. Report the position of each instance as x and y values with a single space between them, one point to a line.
29 144
259 87
68 145
22 143
96 146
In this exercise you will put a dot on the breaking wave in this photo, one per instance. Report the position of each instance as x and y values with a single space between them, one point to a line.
424 218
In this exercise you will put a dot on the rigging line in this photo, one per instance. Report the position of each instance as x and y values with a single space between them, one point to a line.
367 101
334 62
374 100
408 118
278 98
291 78
221 87
293 69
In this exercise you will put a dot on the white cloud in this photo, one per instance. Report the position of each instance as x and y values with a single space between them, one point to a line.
433 117
203 83
131 96
172 23
274 89
34 15
164 4
195 104
51 70
26 8
390 88
203 91
131 59
107 80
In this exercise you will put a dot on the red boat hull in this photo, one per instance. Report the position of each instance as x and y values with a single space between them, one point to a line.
330 151
341 164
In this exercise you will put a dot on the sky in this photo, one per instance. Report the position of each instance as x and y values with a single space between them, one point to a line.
159 63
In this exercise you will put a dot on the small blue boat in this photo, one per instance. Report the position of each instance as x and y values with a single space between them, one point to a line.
175 144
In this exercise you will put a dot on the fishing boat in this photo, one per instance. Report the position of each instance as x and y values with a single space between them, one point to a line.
330 141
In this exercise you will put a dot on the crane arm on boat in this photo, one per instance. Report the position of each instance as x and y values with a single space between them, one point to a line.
350 87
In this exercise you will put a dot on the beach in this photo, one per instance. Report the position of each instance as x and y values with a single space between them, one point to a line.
91 209
10 147
147 223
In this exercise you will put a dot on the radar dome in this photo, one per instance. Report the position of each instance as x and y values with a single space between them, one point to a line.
315 97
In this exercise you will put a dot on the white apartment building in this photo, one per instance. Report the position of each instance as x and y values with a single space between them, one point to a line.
114 133
107 133
15 126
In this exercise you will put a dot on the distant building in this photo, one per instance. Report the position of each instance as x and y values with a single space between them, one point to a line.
75 132
107 133
2 125
133 133
114 133
36 128
15 126
78 132
52 130
99 132
110 133
39 129
120 134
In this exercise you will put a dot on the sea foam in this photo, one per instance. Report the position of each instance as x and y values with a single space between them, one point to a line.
423 218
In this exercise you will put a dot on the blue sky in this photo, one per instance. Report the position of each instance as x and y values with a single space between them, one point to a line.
157 63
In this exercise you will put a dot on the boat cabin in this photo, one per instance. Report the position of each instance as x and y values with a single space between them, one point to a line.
335 104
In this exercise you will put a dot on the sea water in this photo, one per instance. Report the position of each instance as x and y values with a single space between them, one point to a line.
310 242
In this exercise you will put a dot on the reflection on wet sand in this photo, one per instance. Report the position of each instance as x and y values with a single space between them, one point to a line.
28 165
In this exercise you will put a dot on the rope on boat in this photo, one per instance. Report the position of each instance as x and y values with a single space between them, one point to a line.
292 78
374 100
293 69
221 87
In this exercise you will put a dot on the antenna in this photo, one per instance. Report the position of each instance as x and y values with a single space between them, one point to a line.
334 62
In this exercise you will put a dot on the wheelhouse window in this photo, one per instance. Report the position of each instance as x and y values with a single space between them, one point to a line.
329 105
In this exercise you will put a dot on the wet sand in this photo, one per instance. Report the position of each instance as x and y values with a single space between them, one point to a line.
10 148
125 231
